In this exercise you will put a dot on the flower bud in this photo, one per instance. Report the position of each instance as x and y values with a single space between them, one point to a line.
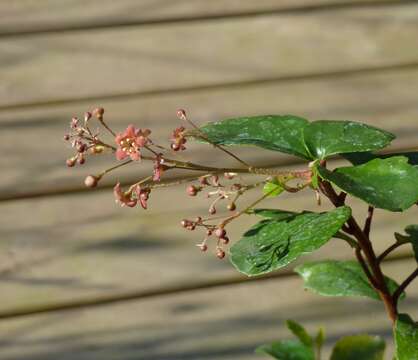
192 190
98 112
91 181
203 247
70 162
220 232
231 207
87 116
220 253
181 114
212 210
67 137
224 240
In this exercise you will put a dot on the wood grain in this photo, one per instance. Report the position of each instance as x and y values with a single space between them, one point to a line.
62 248
26 16
55 67
35 165
224 323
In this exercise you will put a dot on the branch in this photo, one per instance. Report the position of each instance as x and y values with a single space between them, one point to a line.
388 251
404 285
368 222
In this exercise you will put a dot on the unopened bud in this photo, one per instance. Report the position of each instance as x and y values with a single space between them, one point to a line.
220 253
212 210
81 159
175 147
203 247
66 137
231 207
192 190
91 181
220 232
229 175
181 114
98 112
185 223
70 162
225 240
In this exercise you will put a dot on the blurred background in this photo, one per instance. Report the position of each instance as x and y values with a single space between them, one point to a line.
81 278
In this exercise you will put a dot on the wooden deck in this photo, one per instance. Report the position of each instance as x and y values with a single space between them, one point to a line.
82 278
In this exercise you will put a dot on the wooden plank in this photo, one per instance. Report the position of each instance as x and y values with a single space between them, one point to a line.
25 16
386 99
86 64
81 246
224 323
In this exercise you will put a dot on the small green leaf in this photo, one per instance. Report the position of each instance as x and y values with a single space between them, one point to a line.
389 184
359 347
320 338
273 188
406 338
300 332
363 157
272 243
273 132
327 137
339 278
412 237
287 350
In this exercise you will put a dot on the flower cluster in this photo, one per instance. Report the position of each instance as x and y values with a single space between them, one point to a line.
134 144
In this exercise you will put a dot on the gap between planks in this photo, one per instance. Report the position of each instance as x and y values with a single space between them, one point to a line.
154 293
170 20
226 85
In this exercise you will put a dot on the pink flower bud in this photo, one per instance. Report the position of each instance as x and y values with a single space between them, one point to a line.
91 181
220 253
98 112
70 162
220 232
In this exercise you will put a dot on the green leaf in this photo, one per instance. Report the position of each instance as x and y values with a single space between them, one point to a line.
273 132
287 350
276 214
339 278
363 157
273 188
389 184
327 137
300 332
272 243
406 338
320 338
359 347
412 237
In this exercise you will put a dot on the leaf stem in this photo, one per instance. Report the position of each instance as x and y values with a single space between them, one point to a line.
388 251
368 222
404 285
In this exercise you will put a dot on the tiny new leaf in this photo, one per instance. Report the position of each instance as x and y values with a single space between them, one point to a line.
273 132
273 243
359 347
273 188
287 350
327 137
299 331
412 237
339 278
389 184
406 338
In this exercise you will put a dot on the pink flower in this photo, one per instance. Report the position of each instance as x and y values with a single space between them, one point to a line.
158 167
143 195
122 198
130 141
178 139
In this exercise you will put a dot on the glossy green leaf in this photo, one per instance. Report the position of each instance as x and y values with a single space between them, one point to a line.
339 278
406 338
411 237
359 347
273 132
272 243
326 137
273 188
389 184
287 350
363 157
276 214
320 338
299 331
